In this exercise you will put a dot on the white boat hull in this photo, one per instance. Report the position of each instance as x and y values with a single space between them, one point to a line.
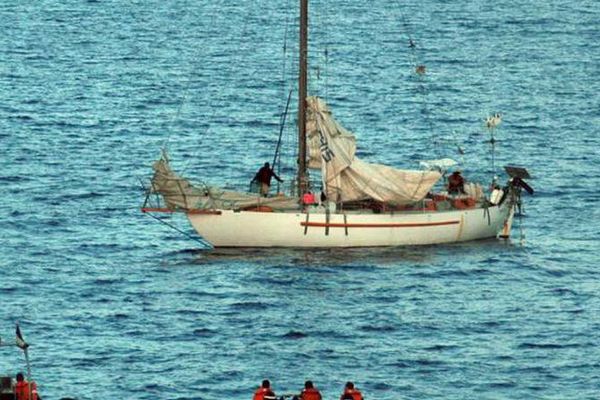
227 228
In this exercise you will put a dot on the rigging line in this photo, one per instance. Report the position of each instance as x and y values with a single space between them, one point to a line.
426 113
323 53
459 147
177 113
315 53
199 240
210 105
422 87
290 144
185 99
285 39
277 149
277 157
170 124
326 32
411 43
182 102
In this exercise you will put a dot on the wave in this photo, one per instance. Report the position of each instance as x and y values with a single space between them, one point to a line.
294 335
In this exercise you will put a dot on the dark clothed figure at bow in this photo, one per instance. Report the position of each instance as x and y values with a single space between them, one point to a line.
263 177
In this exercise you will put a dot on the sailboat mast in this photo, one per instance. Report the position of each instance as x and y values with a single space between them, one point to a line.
302 94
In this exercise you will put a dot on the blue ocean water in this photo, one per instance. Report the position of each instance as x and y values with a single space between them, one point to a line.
117 305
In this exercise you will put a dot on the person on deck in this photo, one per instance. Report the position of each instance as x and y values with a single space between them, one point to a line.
310 392
263 177
264 392
308 199
25 390
456 183
350 393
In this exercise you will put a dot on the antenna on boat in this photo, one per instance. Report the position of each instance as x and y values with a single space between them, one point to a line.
491 124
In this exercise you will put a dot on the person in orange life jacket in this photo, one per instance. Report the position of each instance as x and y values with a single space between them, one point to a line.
264 392
310 392
456 183
263 177
308 199
25 390
350 393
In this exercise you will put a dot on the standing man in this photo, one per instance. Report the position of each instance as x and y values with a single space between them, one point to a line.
263 177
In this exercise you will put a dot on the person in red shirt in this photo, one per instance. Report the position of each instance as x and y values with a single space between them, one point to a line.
264 392
351 393
25 390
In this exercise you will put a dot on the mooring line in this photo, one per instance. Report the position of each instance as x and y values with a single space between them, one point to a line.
197 239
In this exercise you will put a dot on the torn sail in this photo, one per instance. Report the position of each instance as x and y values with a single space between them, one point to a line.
332 148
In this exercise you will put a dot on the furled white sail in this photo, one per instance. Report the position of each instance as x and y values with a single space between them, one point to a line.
179 194
332 149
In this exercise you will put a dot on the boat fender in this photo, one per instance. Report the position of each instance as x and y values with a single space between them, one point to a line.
496 196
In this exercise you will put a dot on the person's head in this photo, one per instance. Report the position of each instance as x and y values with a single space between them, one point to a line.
308 385
266 384
457 172
267 165
349 385
20 377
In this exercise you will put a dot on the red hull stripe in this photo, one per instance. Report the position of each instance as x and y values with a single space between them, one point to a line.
192 211
403 225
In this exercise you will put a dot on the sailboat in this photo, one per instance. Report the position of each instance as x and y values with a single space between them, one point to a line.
362 204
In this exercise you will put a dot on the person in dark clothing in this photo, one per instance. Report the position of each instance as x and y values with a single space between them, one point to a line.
263 177
456 183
